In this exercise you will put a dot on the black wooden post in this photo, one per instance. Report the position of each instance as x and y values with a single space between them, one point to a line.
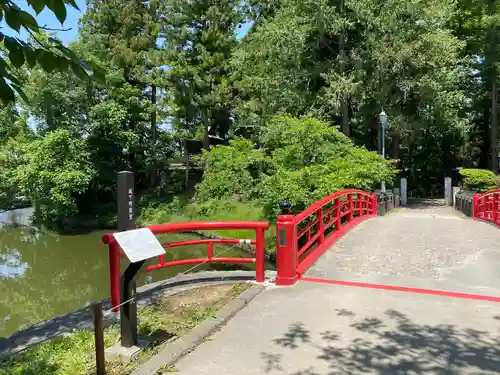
126 221
99 338
128 311
126 201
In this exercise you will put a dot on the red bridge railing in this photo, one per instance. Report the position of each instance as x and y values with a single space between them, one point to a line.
303 238
115 253
486 206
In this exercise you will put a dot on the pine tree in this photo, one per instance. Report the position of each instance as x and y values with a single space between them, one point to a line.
200 36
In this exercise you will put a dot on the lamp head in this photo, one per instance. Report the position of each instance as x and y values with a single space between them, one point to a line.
383 118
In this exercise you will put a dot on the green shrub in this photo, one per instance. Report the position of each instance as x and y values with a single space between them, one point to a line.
161 213
230 171
299 160
54 172
479 180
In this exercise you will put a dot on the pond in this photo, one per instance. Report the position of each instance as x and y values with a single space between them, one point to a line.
43 274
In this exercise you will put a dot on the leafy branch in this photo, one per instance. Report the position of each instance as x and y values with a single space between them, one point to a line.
49 56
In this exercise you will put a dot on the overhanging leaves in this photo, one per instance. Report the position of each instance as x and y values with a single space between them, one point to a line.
59 9
6 93
12 17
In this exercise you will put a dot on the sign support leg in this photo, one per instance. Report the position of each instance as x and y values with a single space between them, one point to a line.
128 311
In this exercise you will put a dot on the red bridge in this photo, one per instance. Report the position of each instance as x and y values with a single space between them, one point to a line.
416 290
301 239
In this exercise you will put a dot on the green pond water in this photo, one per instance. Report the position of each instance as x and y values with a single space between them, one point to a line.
43 274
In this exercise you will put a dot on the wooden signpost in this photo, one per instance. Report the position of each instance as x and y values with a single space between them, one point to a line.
138 245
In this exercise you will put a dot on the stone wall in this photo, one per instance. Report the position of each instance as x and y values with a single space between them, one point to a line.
463 202
387 202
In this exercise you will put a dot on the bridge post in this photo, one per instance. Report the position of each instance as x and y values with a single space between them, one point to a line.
349 198
259 256
321 229
337 213
374 204
286 247
495 207
475 204
114 274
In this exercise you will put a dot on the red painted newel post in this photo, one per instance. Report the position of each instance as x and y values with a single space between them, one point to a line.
475 206
114 273
337 213
286 248
321 229
351 207
259 256
374 204
494 209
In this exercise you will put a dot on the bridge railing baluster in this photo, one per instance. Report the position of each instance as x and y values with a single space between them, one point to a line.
302 238
258 242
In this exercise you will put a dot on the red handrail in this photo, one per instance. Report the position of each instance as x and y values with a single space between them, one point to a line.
486 206
259 226
321 226
323 202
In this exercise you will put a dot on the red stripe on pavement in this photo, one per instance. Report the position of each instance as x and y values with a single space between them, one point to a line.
397 288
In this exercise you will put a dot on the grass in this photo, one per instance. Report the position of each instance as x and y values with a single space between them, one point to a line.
216 210
163 321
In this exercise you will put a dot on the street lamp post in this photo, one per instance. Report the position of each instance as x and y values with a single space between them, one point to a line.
383 123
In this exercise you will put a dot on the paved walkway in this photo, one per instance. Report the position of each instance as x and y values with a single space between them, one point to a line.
322 329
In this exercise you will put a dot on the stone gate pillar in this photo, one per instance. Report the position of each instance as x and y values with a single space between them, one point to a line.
404 191
448 192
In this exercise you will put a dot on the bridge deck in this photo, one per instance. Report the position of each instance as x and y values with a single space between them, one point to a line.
430 247
322 329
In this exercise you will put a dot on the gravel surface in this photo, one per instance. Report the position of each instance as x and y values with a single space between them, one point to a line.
425 242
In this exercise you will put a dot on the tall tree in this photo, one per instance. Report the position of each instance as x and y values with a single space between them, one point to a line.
477 23
126 37
199 38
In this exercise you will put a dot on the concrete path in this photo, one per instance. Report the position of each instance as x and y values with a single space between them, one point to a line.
323 329
426 246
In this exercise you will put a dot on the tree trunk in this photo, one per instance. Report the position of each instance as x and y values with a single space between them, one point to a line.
343 100
206 139
494 124
493 90
447 156
379 140
368 135
484 156
395 145
153 136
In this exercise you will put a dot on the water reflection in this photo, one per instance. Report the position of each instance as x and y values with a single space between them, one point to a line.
19 217
11 264
43 274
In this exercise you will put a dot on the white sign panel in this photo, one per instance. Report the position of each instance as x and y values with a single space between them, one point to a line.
139 244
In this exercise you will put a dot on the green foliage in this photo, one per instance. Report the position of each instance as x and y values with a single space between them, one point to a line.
209 210
430 64
9 160
230 171
53 172
47 52
479 180
302 160
199 41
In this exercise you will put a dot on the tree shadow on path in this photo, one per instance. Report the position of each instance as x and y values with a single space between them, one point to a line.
399 347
